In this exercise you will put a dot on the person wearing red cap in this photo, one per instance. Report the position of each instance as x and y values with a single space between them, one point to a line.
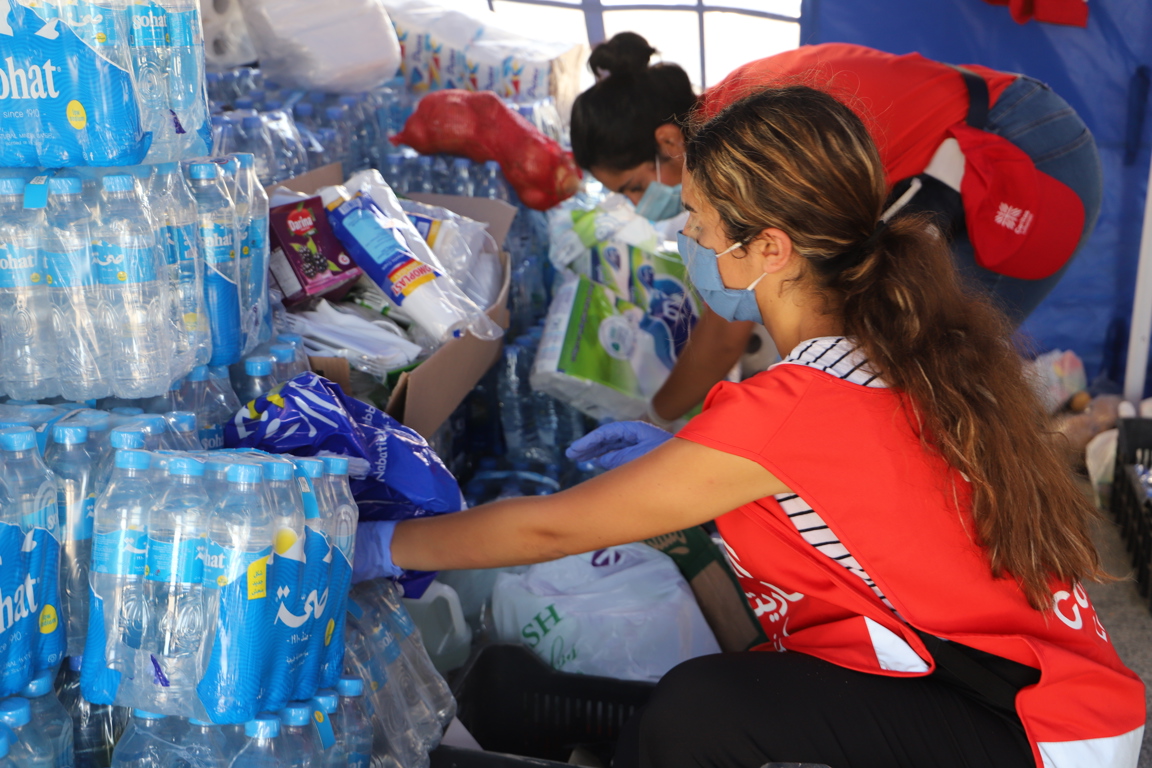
1005 165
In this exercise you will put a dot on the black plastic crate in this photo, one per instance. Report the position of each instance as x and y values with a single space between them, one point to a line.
452 757
513 702
1130 504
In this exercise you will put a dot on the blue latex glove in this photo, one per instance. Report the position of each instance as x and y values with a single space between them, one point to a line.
617 443
373 557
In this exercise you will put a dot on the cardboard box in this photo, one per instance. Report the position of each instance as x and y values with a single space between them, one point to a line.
426 396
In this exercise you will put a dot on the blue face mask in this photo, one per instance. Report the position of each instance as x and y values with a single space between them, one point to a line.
704 269
660 201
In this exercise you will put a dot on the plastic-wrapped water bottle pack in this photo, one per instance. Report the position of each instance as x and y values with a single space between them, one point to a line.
117 282
218 582
102 83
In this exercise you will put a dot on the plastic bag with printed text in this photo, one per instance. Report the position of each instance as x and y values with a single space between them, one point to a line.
31 632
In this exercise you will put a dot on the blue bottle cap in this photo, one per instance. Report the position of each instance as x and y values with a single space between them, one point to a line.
246 159
126 437
218 372
256 95
75 663
312 468
461 162
251 121
15 712
335 465
128 411
175 385
64 185
283 353
244 473
129 459
39 685
349 101
491 165
294 339
244 103
117 182
166 168
296 713
258 365
263 727
145 715
11 422
199 373
273 105
202 171
424 160
216 466
70 434
350 686
152 423
18 438
327 699
11 186
278 470
334 113
303 109
186 466
183 421
219 120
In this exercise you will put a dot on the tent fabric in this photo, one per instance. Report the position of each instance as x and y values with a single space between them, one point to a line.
1092 68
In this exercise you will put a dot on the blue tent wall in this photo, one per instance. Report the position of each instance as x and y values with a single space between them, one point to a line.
1091 68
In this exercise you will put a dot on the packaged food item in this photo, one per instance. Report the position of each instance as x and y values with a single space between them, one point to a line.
307 259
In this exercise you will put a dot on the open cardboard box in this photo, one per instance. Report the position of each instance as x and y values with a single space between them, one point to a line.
425 396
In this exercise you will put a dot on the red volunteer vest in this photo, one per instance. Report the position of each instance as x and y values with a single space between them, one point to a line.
903 513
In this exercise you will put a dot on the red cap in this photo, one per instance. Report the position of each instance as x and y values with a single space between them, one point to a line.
1022 222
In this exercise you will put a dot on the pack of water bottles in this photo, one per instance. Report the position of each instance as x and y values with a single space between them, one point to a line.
409 702
218 582
118 282
106 83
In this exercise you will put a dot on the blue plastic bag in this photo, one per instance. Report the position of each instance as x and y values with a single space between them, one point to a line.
31 633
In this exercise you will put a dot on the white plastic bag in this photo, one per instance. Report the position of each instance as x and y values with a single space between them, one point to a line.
623 612
342 46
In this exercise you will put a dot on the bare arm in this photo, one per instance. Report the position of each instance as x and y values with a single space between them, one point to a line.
678 485
713 348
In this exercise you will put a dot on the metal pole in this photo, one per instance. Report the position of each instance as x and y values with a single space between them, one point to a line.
1140 333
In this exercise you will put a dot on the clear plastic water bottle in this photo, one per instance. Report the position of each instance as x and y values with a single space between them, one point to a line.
262 749
283 361
395 174
216 223
27 337
336 120
119 556
421 175
305 114
258 378
441 175
216 478
352 723
177 526
186 74
148 40
5 762
31 486
227 394
509 389
50 717
95 727
240 186
72 465
147 742
175 211
338 509
32 748
301 364
298 742
254 258
126 438
202 394
461 179
182 434
284 496
133 297
204 745
253 138
154 428
334 756
82 344
432 686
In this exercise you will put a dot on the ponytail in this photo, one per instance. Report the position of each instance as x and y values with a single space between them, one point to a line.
796 159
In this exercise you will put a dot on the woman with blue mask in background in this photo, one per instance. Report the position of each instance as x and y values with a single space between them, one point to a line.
907 534
1006 167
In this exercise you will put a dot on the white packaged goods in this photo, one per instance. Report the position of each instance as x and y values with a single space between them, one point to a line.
342 46
226 42
622 612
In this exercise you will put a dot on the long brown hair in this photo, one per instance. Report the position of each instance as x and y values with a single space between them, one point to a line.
796 159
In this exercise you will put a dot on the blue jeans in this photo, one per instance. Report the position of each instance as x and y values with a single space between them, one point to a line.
1031 116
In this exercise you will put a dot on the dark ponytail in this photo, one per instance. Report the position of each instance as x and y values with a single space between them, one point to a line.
614 122
798 160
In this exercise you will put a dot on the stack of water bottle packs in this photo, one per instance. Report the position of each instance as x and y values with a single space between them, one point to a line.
105 83
118 282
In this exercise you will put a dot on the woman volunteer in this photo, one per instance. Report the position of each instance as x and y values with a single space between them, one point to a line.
890 500
1007 167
